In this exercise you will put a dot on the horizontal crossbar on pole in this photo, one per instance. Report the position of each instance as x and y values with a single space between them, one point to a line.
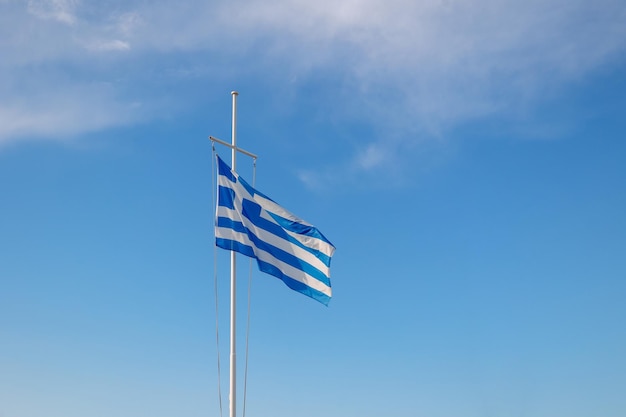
250 154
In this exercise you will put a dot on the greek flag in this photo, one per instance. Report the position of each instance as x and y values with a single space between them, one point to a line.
283 245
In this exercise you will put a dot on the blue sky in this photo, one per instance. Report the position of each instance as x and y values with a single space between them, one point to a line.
465 158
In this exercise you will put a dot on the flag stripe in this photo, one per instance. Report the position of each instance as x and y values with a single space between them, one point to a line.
311 241
284 245
313 244
288 220
230 244
237 231
321 296
284 218
281 269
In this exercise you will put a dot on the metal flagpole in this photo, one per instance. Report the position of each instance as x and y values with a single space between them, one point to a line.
233 267
233 275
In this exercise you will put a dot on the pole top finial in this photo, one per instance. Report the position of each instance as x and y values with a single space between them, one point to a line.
234 93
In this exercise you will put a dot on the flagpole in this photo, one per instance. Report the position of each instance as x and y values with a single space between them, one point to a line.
233 275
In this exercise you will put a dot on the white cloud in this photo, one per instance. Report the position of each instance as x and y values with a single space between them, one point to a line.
126 23
373 156
108 45
440 58
59 10
434 63
63 113
422 67
419 69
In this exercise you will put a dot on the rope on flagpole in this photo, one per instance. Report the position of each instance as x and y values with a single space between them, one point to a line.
217 333
245 374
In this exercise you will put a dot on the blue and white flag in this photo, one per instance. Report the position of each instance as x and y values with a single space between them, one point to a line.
284 245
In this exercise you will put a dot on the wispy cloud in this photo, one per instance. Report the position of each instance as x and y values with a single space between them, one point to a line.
418 67
62 114
424 68
108 45
51 87
59 10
